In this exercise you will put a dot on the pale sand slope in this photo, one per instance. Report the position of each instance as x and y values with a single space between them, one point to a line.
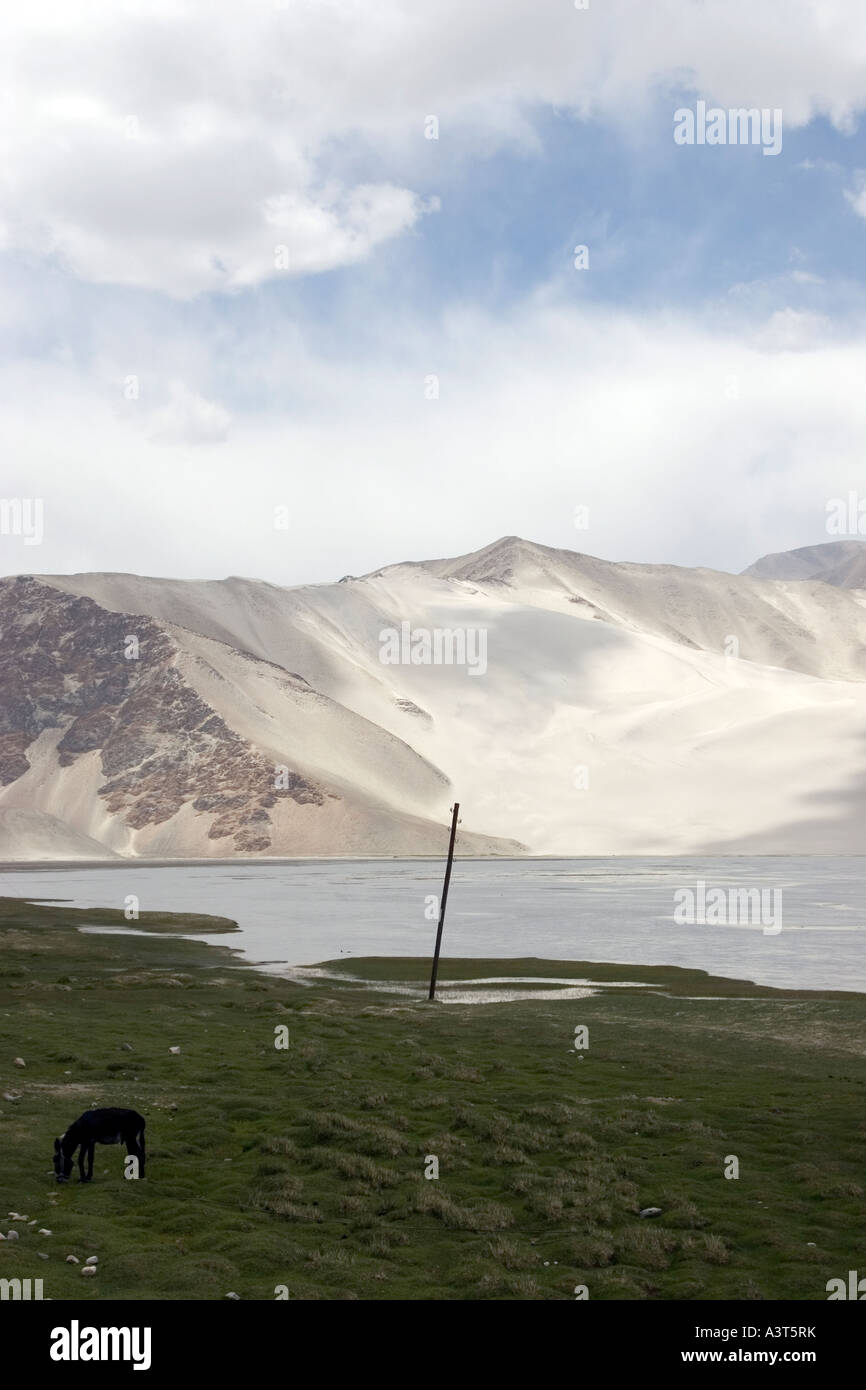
363 790
836 562
36 835
616 668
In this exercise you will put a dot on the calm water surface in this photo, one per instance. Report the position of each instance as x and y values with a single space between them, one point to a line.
303 911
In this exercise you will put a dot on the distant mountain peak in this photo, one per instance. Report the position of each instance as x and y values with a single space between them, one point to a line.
841 563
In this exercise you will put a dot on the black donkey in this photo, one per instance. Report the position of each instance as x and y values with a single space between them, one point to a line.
98 1127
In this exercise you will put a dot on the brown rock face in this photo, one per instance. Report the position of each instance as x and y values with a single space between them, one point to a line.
66 663
13 760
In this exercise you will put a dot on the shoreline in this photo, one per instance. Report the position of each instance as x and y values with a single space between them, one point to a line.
394 972
127 862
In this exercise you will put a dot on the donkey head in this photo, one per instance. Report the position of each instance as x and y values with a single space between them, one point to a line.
62 1161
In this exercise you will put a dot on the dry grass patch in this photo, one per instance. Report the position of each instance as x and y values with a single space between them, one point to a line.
480 1216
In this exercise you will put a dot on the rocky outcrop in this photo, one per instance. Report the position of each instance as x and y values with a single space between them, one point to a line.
109 683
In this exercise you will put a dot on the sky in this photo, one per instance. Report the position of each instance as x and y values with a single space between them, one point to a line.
292 290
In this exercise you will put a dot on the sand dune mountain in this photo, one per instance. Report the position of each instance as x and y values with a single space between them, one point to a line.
621 708
835 562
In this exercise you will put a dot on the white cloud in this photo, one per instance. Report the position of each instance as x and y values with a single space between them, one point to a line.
792 330
187 419
857 196
687 444
178 147
157 144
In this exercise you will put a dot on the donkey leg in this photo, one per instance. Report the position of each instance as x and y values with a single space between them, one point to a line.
82 1157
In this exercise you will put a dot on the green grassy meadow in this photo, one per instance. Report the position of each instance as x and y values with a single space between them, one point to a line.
304 1167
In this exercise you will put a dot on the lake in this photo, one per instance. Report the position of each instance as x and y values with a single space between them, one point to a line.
299 912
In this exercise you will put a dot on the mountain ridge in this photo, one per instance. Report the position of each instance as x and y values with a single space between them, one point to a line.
841 563
708 711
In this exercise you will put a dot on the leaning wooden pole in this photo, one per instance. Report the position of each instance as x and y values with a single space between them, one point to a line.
435 969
